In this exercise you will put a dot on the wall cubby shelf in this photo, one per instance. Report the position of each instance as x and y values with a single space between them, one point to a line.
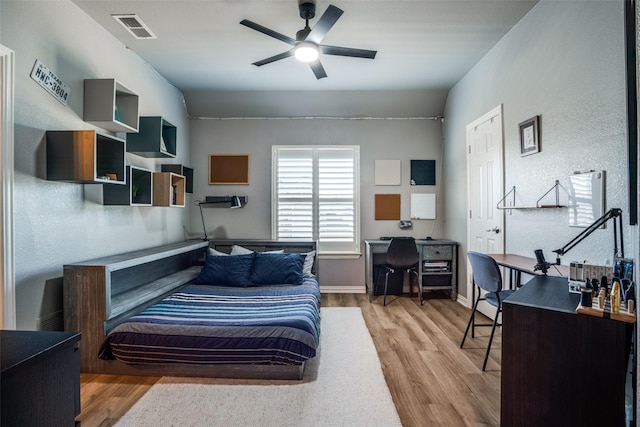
138 190
168 189
185 171
538 205
156 137
85 156
110 105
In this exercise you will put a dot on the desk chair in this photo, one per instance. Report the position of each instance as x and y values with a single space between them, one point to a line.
487 277
402 254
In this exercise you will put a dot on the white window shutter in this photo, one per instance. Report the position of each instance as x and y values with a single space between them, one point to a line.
316 196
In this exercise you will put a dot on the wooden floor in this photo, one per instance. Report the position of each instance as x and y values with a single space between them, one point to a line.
432 381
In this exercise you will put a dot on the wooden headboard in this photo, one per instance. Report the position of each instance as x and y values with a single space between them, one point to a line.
296 246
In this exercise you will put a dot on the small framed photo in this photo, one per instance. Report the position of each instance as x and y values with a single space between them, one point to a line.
529 136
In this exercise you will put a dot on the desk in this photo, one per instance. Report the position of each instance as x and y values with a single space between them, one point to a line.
518 264
439 251
40 378
560 368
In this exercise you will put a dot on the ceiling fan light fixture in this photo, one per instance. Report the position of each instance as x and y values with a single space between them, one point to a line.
306 52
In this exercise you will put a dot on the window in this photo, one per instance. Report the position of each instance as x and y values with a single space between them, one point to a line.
315 196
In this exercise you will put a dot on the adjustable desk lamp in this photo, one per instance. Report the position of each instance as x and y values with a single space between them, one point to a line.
617 229
612 213
234 203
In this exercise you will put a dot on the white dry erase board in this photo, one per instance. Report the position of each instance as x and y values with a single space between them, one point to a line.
586 198
423 206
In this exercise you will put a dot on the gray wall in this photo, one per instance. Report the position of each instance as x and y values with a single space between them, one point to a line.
54 223
565 62
378 139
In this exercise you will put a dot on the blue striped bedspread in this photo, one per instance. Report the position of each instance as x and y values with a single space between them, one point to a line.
266 325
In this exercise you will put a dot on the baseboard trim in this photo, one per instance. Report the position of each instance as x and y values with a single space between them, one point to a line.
343 289
464 301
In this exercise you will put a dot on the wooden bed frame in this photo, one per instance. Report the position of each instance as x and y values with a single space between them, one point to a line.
100 294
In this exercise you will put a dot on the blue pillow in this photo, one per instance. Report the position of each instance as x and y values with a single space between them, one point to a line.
226 270
277 269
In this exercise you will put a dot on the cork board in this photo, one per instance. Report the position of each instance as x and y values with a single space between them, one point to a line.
228 169
387 206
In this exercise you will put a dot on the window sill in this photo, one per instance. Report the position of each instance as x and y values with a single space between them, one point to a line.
338 255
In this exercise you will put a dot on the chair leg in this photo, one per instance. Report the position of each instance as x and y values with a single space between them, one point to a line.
493 329
471 321
386 283
419 285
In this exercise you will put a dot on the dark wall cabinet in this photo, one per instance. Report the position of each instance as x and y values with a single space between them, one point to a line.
40 378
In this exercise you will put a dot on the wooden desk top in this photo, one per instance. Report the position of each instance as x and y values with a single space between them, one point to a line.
546 292
526 264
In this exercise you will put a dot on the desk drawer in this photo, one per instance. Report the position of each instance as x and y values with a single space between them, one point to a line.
437 252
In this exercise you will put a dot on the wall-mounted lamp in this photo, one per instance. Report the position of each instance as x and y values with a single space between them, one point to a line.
233 201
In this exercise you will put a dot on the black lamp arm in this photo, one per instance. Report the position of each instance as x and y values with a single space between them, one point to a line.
234 202
610 214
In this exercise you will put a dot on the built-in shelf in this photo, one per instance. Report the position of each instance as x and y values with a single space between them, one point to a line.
168 189
156 138
185 171
110 105
538 205
138 190
85 156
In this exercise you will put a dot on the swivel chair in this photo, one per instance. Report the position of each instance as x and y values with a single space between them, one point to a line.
402 254
487 277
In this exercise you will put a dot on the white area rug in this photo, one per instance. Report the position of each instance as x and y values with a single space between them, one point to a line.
342 386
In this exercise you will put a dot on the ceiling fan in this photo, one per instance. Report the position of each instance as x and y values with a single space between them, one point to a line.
306 45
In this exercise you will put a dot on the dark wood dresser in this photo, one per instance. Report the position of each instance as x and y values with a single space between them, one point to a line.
560 368
40 379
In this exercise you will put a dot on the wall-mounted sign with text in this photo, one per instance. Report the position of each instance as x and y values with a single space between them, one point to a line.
50 82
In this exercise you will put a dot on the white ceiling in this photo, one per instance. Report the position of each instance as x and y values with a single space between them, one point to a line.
421 44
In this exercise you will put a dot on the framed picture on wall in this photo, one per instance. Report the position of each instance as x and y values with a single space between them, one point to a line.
529 137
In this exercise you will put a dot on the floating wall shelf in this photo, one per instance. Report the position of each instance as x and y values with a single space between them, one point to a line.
181 170
156 138
138 190
168 189
538 205
85 156
110 105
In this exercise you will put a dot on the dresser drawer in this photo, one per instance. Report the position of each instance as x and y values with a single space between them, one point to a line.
437 252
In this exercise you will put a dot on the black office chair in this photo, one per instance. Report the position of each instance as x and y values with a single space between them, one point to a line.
402 254
487 277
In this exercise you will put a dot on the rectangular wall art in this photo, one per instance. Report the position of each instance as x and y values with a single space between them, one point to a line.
228 169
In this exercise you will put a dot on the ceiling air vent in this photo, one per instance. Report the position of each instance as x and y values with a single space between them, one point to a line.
135 26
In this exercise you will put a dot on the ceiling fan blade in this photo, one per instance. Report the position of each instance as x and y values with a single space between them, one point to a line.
274 58
318 69
324 24
347 51
267 31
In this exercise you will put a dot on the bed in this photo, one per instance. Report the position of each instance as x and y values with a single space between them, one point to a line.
252 311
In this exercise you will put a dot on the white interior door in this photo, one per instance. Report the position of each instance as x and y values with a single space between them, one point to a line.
485 231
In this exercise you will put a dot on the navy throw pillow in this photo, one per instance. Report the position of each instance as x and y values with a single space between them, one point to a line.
221 270
277 269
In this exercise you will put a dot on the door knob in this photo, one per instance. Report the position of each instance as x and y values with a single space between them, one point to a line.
495 230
